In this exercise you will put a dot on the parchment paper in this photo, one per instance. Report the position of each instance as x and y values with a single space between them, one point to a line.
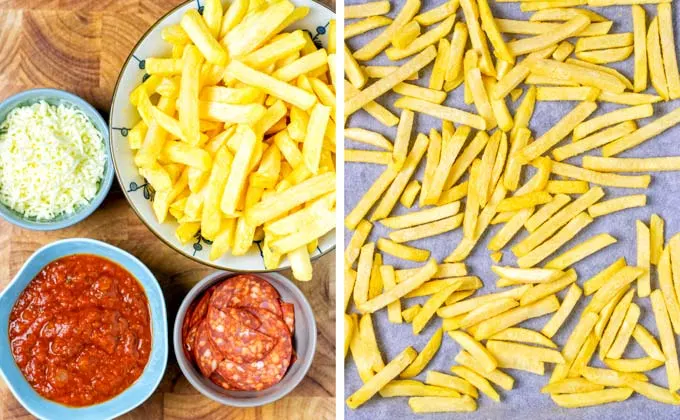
525 401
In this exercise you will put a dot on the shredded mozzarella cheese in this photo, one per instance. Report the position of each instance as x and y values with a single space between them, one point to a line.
52 160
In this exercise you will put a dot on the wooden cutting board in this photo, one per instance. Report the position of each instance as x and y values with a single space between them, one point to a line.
80 46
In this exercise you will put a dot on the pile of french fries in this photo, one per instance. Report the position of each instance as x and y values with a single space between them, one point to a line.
492 147
237 131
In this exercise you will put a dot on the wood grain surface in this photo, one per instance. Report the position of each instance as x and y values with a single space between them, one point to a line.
80 46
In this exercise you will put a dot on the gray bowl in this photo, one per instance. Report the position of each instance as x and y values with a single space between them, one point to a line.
304 343
58 97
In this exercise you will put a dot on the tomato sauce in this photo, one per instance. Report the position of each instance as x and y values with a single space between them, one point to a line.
80 332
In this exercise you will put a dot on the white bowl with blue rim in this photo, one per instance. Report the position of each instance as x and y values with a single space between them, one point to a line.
124 116
59 97
133 396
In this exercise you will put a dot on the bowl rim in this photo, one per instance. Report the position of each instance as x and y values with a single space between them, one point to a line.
162 334
185 365
106 182
126 194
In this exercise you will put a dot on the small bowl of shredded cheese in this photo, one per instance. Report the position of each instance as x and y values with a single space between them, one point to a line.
55 163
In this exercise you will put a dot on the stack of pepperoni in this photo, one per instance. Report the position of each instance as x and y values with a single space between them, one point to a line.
239 334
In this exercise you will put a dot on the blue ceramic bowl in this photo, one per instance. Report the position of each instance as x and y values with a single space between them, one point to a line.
140 390
57 97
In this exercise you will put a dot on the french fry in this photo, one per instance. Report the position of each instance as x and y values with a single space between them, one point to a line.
359 27
508 360
605 56
531 275
642 134
491 326
549 4
542 290
472 203
456 52
540 354
386 83
665 16
450 151
401 179
401 289
363 276
648 343
477 37
545 212
367 9
382 378
566 30
571 386
617 204
408 197
607 179
424 357
567 306
593 141
577 74
620 280
354 73
667 288
411 388
611 118
470 304
431 162
374 109
379 43
421 42
656 240
477 380
625 332
548 247
443 271
608 377
447 381
410 313
368 339
421 217
582 250
657 74
427 230
537 28
587 399
368 156
441 404
641 364
562 14
558 132
349 328
403 138
654 392
200 34
510 229
486 311
602 42
496 376
438 13
473 79
554 223
466 157
442 112
563 93
523 335
370 197
430 307
349 281
643 257
573 345
439 68
593 284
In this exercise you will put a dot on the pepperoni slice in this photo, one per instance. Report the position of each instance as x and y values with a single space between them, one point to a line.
201 309
288 310
235 333
247 291
206 353
189 342
218 380
269 370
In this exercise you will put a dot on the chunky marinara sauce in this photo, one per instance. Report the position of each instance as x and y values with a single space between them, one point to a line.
80 332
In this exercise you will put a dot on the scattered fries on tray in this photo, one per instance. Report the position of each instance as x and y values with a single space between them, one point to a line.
472 179
237 132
